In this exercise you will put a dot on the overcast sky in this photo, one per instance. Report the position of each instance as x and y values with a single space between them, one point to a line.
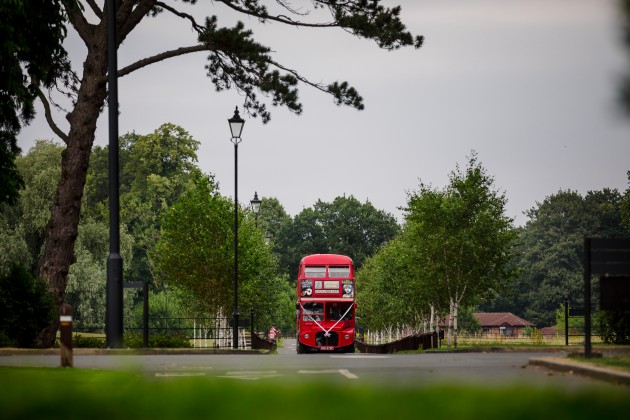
531 85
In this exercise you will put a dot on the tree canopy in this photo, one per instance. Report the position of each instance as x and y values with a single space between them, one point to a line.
550 252
195 253
344 226
32 55
455 249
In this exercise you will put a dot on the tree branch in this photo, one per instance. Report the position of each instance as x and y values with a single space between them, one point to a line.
129 18
78 21
51 123
280 18
159 57
97 11
193 22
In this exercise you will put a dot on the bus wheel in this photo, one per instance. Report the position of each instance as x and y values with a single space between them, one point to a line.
299 348
349 349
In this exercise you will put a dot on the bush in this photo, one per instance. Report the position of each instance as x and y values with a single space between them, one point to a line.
26 308
160 340
80 341
615 327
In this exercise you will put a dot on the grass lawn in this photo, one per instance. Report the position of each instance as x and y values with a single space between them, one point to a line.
621 361
29 393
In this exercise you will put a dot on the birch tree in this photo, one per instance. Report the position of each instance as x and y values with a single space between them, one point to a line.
465 238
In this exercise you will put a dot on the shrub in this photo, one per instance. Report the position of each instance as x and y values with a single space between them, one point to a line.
160 340
80 341
26 307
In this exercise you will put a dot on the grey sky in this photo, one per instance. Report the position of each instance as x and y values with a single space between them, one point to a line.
530 85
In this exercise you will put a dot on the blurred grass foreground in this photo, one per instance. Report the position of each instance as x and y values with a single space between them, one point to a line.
78 393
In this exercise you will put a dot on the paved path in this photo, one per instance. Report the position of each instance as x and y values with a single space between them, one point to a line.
419 369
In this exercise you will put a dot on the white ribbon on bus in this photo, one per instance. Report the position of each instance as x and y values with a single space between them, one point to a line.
326 333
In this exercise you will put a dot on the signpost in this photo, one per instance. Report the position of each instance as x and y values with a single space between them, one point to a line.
610 259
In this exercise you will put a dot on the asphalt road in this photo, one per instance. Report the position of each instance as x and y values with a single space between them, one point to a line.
423 369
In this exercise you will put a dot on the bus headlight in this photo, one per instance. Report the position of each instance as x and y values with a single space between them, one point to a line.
347 336
307 336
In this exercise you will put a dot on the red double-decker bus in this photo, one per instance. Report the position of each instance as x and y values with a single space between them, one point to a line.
325 304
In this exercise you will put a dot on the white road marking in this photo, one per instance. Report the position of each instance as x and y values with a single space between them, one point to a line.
348 374
251 375
359 356
178 374
344 372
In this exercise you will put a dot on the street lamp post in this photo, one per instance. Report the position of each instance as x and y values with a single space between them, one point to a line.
114 286
236 128
255 202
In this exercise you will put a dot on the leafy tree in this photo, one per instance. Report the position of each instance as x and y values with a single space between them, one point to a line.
235 60
272 217
344 226
87 278
32 55
164 305
551 253
195 254
194 250
155 169
302 237
386 293
23 224
466 237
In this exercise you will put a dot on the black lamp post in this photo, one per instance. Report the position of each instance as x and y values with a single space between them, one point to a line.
255 202
236 128
114 286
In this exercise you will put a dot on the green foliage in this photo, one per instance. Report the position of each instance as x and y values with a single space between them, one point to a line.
170 303
32 55
22 225
344 226
88 342
454 249
195 254
159 340
550 251
387 293
26 307
195 247
272 217
87 278
461 238
155 169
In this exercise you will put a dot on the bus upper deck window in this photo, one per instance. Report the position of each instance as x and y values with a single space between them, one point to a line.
339 272
315 271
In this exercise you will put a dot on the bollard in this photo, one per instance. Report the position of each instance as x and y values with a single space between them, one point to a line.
65 333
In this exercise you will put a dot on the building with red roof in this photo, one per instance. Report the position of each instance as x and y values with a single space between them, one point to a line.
502 323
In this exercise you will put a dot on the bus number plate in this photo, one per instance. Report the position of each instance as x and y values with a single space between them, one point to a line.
326 348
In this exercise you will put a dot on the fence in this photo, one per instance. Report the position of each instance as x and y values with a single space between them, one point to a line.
216 333
413 342
537 337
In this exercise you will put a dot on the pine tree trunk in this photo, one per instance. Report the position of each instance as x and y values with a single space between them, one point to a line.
62 228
